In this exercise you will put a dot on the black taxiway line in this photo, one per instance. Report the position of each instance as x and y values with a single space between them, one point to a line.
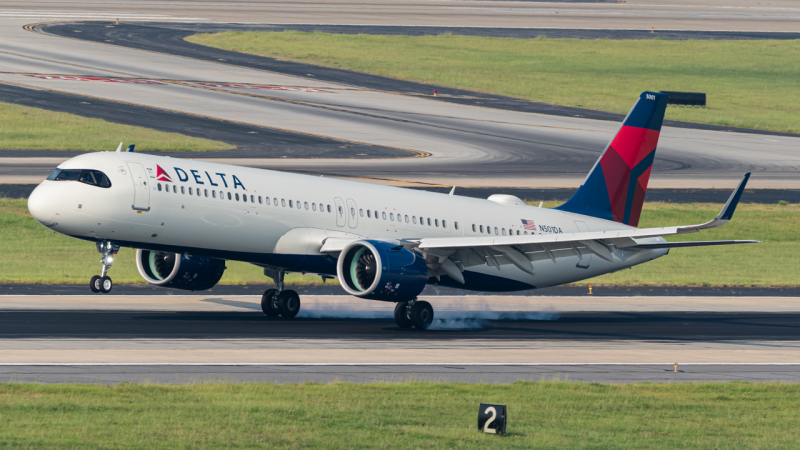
673 327
452 373
251 141
168 38
430 290
765 196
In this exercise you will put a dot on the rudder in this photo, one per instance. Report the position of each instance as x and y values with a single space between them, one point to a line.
615 187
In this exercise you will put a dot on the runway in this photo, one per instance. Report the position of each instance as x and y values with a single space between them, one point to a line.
469 145
494 338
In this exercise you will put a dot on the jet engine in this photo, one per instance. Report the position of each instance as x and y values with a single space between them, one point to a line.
380 270
179 271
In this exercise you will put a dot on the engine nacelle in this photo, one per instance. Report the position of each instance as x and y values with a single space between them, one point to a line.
178 271
381 270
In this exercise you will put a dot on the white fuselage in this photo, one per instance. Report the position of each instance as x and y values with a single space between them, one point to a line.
286 217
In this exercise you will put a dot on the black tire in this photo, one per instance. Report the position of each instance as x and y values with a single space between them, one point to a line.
94 283
401 316
106 284
422 315
267 305
289 304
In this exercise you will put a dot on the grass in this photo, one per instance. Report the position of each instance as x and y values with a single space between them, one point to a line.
25 128
749 83
30 253
408 415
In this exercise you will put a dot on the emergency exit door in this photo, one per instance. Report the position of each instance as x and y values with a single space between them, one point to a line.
141 189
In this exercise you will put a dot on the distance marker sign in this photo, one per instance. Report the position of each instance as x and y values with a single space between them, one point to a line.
492 418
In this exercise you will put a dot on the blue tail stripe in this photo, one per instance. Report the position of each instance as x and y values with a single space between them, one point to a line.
635 174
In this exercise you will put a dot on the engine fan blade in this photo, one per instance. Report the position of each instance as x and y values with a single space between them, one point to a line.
366 269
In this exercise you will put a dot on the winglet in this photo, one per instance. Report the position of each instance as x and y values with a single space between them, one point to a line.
119 149
130 148
452 190
730 205
727 211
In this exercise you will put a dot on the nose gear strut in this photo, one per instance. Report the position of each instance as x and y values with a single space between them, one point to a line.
102 283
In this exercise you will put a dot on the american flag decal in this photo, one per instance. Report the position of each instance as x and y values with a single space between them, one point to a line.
528 225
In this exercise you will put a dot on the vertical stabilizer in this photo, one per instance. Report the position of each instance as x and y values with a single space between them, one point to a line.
615 187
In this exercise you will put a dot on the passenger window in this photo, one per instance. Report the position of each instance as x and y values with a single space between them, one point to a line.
352 212
429 221
214 194
473 227
421 220
259 200
229 196
361 212
190 191
414 219
526 232
182 190
244 197
252 199
495 231
455 224
305 205
221 195
341 210
159 187
275 201
444 224
517 232
391 216
436 221
329 208
406 218
313 206
205 192
504 231
383 214
298 204
237 197
369 214
283 202
174 189
376 214
291 205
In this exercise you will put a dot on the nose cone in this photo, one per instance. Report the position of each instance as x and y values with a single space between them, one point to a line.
43 205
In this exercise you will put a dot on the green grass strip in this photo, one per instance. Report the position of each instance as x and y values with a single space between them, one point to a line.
30 253
408 415
25 128
751 84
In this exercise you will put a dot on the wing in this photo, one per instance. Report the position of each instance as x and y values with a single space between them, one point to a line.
451 255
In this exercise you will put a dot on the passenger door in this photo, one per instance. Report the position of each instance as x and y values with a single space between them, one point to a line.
352 212
141 190
341 214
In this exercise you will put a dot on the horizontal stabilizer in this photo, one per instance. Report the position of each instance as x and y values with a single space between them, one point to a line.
684 244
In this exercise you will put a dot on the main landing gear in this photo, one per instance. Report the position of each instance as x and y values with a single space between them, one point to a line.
414 313
102 283
277 302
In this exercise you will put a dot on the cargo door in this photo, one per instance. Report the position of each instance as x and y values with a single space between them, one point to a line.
141 190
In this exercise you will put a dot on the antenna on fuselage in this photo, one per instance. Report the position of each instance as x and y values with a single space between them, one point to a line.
119 149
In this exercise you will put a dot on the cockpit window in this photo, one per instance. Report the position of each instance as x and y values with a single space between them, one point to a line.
91 177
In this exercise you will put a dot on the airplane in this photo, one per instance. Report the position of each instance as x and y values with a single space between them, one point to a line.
186 218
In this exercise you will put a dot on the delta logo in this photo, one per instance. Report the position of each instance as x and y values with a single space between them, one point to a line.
183 177
161 174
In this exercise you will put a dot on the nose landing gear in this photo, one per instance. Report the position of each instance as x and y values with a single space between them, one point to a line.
277 302
102 283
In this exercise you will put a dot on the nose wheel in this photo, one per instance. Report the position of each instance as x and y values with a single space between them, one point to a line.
102 283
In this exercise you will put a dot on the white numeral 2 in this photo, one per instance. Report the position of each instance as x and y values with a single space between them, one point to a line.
486 428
